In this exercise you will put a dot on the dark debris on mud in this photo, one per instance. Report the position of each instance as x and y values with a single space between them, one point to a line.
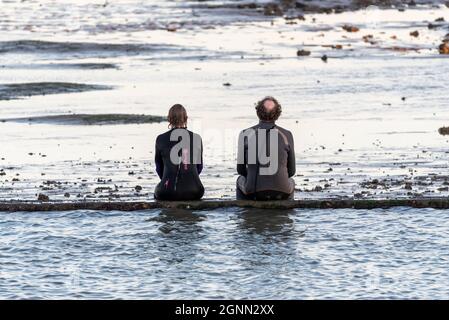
286 7
11 91
38 46
90 119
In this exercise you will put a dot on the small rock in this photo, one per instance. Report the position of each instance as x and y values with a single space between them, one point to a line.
444 48
324 58
302 53
43 198
350 28
443 131
335 46
138 188
415 34
298 17
227 84
67 195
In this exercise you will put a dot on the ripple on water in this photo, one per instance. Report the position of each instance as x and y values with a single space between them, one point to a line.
221 254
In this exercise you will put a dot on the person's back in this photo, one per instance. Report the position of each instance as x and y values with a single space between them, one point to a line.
266 157
178 158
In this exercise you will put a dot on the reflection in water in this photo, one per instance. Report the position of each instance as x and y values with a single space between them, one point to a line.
233 254
267 222
179 233
178 219
268 239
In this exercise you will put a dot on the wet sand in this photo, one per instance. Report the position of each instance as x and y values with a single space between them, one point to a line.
365 105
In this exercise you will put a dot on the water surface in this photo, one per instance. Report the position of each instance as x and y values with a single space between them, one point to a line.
225 254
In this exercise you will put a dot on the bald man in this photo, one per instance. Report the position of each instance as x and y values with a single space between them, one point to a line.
266 157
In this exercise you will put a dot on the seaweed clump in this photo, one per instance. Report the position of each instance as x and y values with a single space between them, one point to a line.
444 131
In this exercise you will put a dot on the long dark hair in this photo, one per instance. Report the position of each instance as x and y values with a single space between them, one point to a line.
177 116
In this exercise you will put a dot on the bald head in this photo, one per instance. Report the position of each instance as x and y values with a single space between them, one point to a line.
269 105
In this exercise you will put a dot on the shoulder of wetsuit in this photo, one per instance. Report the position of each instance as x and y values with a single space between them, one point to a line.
163 136
193 134
252 129
285 131
255 127
286 134
159 138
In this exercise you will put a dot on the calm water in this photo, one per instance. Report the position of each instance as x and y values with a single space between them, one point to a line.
371 112
232 253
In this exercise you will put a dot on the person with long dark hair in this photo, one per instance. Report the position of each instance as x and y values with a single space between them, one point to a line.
179 160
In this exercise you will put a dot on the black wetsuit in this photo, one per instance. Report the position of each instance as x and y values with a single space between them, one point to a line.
278 185
179 179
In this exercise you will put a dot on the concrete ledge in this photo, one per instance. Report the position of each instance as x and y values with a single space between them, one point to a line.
437 203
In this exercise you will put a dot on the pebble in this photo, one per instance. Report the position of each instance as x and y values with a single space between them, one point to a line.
43 198
302 53
350 28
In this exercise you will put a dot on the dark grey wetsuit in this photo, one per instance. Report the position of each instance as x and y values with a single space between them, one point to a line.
179 181
253 185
